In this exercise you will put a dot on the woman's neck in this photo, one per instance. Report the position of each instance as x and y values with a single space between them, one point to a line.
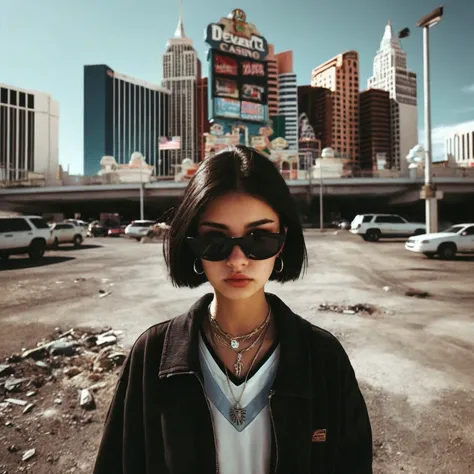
238 317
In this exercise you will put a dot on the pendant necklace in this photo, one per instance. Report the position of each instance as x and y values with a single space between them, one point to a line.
234 341
237 413
227 340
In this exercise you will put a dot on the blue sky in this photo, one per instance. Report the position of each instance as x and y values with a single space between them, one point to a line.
46 43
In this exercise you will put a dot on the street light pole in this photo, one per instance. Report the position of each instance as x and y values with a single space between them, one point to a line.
431 204
142 211
321 207
426 23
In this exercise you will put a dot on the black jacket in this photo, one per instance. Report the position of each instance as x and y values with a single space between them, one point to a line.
159 420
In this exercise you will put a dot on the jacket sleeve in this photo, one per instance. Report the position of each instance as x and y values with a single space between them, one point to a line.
355 456
122 448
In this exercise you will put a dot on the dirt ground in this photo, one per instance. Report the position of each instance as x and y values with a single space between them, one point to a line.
413 356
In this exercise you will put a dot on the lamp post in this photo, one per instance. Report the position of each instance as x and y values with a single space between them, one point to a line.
429 190
142 207
326 153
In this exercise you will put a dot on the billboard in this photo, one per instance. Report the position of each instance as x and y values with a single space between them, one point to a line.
228 108
225 65
226 88
238 71
235 36
252 111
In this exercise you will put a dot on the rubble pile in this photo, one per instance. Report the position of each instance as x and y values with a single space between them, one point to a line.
54 383
349 309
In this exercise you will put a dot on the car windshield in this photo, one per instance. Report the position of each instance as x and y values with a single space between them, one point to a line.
453 229
142 224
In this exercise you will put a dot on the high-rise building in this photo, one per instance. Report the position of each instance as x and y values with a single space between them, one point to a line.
459 148
391 74
180 75
202 116
316 103
122 115
29 124
341 76
272 82
288 97
375 134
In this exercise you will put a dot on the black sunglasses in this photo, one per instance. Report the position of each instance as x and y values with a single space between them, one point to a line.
256 246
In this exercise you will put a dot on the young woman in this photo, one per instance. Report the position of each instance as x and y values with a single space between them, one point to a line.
238 383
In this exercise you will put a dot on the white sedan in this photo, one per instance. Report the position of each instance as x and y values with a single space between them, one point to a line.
457 239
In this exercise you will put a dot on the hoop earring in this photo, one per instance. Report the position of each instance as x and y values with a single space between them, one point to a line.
282 265
195 269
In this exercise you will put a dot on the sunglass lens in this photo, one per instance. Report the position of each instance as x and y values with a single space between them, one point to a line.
261 246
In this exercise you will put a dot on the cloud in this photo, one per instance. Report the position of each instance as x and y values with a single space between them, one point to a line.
440 132
468 89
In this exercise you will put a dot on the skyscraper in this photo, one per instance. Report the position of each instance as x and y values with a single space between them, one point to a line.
121 115
391 74
29 122
202 116
375 136
316 103
288 97
181 72
272 82
341 76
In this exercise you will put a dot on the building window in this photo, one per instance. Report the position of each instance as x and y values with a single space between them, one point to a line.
13 97
31 101
4 96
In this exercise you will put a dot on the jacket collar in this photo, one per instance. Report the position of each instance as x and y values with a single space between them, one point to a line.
181 350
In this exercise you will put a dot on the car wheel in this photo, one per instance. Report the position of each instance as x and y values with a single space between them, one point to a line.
429 254
55 243
447 251
77 241
36 249
373 235
419 232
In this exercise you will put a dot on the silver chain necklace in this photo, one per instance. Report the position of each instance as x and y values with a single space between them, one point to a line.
228 340
237 413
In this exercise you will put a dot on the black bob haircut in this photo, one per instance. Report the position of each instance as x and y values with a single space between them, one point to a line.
237 169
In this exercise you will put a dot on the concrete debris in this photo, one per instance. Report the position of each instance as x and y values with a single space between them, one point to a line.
28 454
14 385
76 358
106 340
5 369
16 401
351 309
417 294
86 399
28 408
103 293
13 448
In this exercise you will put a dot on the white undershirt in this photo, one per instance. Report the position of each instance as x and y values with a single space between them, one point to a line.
247 451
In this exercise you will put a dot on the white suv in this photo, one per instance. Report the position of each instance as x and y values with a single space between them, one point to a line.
372 227
24 234
138 229
67 232
457 239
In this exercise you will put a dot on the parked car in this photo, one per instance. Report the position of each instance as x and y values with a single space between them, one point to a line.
66 233
116 231
457 239
96 229
373 227
77 222
24 235
139 229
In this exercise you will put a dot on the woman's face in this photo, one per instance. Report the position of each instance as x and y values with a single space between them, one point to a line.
237 215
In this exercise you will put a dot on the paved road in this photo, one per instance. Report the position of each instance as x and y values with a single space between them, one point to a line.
413 357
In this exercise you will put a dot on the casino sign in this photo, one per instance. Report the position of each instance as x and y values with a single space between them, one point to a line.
235 36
